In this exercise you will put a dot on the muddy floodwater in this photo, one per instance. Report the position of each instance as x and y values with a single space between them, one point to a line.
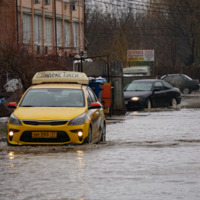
148 155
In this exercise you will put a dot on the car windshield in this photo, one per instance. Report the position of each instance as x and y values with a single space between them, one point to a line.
138 86
54 97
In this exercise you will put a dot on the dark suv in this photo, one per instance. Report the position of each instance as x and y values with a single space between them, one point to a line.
182 81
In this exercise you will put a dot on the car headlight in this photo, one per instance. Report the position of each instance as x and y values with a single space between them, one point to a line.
78 120
136 98
14 120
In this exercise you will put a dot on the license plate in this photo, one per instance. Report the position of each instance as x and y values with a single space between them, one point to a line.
44 134
126 102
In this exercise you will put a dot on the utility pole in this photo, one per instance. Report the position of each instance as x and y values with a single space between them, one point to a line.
81 64
84 24
55 26
17 21
108 68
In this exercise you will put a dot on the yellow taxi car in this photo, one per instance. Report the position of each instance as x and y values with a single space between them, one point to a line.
58 109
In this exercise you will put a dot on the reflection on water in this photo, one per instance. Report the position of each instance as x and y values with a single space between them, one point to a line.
10 166
81 164
80 156
11 155
135 112
11 158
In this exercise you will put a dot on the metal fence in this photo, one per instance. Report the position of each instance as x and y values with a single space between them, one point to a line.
115 75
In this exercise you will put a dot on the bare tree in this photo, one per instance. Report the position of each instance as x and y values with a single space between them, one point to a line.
17 60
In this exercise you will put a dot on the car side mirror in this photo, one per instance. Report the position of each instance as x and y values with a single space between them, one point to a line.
95 105
156 90
12 105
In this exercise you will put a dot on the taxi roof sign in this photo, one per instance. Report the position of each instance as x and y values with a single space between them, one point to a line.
60 76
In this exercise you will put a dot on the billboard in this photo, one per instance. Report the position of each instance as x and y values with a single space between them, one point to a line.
140 55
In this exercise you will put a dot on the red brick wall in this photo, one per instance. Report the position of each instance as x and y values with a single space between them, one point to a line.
2 81
7 18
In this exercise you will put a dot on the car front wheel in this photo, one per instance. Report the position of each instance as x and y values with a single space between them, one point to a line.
90 135
103 136
174 103
149 104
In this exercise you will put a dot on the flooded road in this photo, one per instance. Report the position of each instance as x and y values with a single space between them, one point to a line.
148 155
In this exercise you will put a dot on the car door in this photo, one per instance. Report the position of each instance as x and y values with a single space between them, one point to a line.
159 95
96 115
179 82
189 83
90 111
170 94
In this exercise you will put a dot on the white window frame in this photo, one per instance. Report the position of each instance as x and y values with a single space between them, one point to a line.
48 31
75 35
59 31
38 29
67 33
26 18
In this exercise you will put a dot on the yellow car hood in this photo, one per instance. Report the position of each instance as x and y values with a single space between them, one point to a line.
48 113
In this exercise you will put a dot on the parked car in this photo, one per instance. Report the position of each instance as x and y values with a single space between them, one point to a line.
137 71
148 93
182 81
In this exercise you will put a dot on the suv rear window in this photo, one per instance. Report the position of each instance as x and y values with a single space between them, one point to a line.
178 78
168 79
186 77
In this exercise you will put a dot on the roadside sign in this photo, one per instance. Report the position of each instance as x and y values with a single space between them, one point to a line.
140 55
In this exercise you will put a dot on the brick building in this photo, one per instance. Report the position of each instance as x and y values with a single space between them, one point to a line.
48 26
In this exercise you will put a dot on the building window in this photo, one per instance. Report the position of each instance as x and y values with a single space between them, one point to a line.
37 29
75 34
81 35
59 32
26 28
67 33
48 31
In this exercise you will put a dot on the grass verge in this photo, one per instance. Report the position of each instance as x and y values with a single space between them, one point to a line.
3 129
